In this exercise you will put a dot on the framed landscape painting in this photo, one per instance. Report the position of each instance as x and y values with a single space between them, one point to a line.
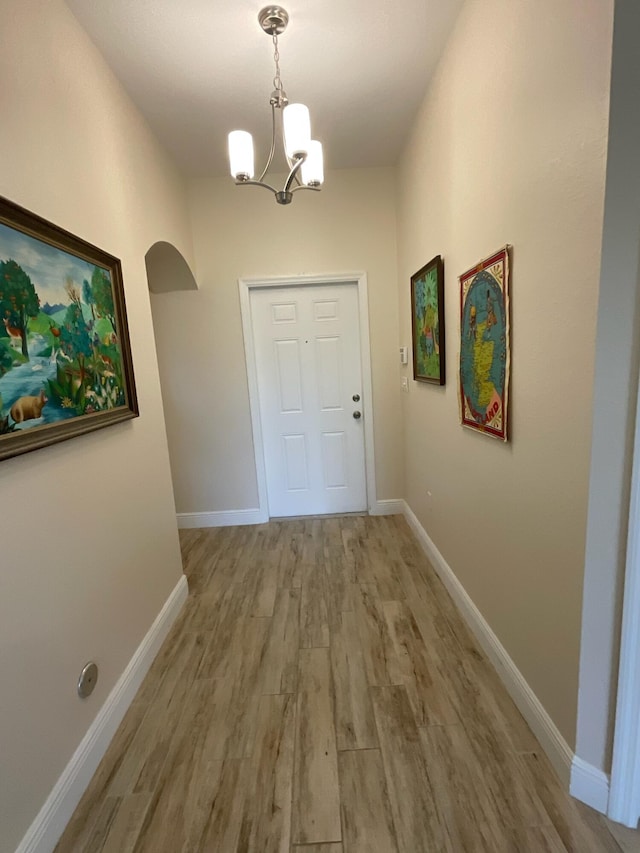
65 360
427 322
485 352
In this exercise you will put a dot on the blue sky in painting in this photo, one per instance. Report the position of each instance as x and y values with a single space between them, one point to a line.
47 267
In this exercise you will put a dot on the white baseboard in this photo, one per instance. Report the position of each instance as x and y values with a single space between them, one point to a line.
224 518
553 743
392 506
232 517
589 785
45 831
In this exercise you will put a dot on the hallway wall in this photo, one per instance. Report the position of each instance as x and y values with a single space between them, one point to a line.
89 550
509 147
239 232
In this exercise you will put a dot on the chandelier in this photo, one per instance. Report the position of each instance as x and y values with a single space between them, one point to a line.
302 154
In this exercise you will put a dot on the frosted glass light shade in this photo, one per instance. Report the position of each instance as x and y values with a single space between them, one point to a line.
297 129
241 154
313 167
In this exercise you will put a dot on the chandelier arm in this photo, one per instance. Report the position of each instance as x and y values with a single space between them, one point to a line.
305 187
273 143
252 183
299 160
291 163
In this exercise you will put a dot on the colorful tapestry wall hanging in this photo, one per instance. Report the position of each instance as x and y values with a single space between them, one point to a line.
485 346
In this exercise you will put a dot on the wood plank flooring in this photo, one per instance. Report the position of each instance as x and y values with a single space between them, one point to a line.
319 693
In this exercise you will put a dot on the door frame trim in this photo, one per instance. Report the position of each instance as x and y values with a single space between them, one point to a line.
245 286
624 790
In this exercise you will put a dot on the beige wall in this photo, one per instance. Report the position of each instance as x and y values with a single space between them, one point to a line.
510 147
89 548
241 231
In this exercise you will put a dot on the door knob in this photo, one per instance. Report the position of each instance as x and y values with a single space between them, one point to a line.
356 398
357 415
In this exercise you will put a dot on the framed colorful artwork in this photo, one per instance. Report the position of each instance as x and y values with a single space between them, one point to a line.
65 359
485 352
427 322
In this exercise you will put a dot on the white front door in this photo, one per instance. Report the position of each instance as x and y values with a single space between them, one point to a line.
307 351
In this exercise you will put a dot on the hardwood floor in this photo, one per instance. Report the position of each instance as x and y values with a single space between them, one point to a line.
319 693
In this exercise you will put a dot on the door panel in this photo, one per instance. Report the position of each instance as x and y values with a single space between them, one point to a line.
325 309
284 313
307 346
290 380
296 463
329 373
334 460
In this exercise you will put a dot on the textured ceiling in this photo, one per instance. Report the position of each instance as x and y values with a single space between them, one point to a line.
199 68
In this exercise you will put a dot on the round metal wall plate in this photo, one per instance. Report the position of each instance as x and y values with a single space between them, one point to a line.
273 19
88 679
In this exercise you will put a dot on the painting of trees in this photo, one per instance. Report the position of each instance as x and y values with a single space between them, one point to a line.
18 299
65 359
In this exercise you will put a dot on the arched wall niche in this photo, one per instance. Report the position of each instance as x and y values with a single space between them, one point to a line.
169 278
167 270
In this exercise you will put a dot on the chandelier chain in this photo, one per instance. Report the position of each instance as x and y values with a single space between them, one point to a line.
277 82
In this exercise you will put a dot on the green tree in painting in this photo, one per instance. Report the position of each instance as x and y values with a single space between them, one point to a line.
74 334
103 295
18 299
6 356
87 295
